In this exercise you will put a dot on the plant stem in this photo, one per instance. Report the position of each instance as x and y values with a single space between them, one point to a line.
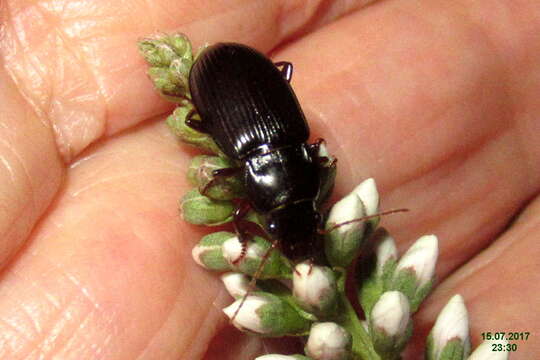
362 347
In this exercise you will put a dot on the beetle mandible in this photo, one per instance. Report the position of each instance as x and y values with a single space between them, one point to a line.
248 107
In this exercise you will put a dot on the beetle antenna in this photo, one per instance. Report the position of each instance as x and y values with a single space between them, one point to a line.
364 218
254 278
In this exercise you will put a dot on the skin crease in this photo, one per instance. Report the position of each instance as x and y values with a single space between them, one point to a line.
438 101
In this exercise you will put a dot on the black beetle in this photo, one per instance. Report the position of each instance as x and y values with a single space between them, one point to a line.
248 107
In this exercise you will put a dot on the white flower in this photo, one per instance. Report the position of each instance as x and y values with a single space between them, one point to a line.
314 286
391 314
421 258
485 351
237 284
367 192
385 249
451 324
348 208
328 341
247 317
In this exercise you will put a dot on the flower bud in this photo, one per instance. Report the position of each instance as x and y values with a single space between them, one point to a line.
266 314
200 174
149 49
208 252
170 86
390 323
282 357
449 338
485 351
237 284
276 265
315 288
180 67
327 173
415 271
162 50
201 210
367 192
328 341
391 314
378 279
342 244
171 59
177 123
385 252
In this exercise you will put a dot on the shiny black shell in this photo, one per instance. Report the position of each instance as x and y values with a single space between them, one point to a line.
244 101
280 176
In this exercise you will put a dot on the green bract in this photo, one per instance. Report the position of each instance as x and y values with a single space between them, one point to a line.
281 318
276 265
201 210
171 59
208 252
177 123
200 174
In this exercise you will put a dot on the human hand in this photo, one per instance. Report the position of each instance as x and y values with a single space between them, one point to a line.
437 101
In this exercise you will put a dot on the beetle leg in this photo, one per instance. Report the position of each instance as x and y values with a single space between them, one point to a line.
286 69
216 174
195 124
254 279
245 228
240 228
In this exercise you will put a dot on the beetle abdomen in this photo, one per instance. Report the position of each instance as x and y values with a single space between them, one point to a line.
244 101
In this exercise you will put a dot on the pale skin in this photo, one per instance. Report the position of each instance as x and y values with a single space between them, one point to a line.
437 100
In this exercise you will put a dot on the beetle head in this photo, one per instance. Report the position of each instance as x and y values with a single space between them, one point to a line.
294 226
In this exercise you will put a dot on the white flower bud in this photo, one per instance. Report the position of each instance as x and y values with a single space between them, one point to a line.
275 266
267 314
275 357
342 243
421 257
452 324
415 271
314 287
247 317
328 341
385 250
391 314
237 284
367 192
348 208
232 250
208 252
485 351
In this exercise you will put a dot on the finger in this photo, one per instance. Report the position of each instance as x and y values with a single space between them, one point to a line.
78 65
442 119
109 272
30 169
500 287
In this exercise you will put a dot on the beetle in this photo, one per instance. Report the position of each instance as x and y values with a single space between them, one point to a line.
246 104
